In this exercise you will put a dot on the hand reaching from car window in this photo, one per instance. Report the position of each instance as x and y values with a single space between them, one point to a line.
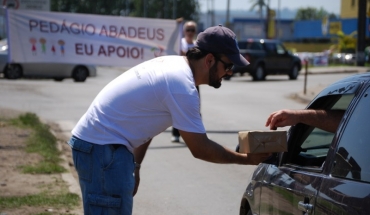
327 120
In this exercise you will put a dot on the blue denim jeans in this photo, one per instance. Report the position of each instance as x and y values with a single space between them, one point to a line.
106 175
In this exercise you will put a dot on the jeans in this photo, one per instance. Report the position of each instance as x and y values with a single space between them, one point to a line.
106 176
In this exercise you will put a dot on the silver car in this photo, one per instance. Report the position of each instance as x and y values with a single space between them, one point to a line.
57 71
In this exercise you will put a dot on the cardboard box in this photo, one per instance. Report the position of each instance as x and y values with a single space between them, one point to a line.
262 141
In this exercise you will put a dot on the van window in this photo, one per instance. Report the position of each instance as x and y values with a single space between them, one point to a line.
352 156
310 144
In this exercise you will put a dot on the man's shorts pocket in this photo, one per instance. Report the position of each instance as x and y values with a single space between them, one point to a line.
100 204
82 158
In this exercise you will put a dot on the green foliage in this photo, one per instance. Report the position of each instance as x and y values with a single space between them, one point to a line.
189 9
347 43
92 7
41 199
311 13
41 141
163 9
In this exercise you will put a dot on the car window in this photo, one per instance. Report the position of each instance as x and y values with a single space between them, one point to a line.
310 145
270 47
352 156
242 45
280 49
250 45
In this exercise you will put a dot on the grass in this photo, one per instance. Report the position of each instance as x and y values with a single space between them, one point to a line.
41 199
41 141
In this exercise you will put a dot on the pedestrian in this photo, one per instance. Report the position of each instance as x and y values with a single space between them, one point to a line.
110 140
187 42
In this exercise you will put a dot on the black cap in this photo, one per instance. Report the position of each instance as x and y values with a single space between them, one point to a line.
219 39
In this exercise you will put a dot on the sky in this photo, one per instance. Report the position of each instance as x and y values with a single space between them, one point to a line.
332 6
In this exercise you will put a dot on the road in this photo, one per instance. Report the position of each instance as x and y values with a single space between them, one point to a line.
172 181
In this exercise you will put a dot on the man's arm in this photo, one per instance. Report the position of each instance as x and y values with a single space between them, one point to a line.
327 120
139 154
205 149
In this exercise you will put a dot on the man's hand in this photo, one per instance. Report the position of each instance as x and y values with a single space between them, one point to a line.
255 159
283 118
137 180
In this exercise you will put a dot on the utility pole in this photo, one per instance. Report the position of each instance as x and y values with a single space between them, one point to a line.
228 14
361 34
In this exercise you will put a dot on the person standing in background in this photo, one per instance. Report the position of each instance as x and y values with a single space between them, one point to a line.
187 42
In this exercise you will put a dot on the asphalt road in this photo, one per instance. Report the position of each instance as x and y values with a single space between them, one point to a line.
172 181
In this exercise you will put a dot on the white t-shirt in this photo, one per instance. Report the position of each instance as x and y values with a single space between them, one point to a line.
143 102
185 46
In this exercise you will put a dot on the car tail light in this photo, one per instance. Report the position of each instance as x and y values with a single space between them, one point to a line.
247 57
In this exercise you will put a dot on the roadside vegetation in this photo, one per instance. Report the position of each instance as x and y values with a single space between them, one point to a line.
51 195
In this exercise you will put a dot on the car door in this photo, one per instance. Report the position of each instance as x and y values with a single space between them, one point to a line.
291 186
346 190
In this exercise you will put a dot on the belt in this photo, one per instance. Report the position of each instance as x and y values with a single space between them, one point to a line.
116 146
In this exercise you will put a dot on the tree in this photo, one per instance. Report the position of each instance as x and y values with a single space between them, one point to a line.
91 6
311 13
260 4
189 9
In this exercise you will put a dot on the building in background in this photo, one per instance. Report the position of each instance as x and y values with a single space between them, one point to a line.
349 8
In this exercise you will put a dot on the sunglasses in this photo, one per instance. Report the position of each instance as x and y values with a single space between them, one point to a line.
227 66
190 30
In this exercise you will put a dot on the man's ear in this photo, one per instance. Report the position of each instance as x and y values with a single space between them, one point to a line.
209 60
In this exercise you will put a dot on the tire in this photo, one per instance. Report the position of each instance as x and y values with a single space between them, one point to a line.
259 74
293 74
80 73
13 71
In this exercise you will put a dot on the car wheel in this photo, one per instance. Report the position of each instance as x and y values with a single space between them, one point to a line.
259 74
294 72
80 74
13 71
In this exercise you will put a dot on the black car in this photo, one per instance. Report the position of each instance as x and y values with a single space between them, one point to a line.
322 172
267 57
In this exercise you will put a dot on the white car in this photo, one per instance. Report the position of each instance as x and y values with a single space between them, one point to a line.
57 71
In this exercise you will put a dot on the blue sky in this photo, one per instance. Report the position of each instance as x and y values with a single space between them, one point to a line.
332 6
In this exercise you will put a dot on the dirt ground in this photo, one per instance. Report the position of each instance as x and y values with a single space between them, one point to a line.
15 183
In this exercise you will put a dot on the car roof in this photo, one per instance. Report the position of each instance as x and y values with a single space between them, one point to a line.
347 85
259 40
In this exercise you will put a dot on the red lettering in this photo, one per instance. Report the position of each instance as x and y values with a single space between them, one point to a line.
111 49
141 34
160 34
121 51
148 34
103 31
78 48
102 51
131 32
135 53
122 32
112 31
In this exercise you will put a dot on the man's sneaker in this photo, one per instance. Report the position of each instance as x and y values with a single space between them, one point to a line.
175 139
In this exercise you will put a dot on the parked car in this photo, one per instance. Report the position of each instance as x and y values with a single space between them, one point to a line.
322 172
267 57
57 71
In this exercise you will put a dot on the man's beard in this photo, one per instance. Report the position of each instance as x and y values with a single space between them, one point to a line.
213 79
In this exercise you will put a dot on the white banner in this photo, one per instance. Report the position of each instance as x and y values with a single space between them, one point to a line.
35 36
